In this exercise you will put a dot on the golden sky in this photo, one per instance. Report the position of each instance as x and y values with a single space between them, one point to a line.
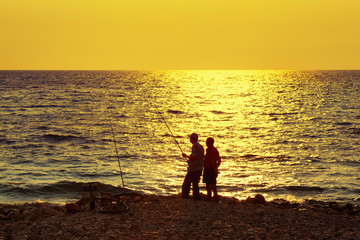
179 34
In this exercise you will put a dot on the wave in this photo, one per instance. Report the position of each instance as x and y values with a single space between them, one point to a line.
27 146
118 116
355 130
281 114
169 135
310 136
102 174
351 163
316 119
278 158
23 161
60 190
298 189
289 142
6 141
344 123
45 106
313 159
175 112
217 112
42 128
59 138
249 156
252 128
304 189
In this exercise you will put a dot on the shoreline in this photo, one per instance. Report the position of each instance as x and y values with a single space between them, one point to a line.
171 217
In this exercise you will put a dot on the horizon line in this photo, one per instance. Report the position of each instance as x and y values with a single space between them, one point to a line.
335 69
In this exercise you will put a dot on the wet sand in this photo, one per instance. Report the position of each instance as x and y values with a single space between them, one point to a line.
170 217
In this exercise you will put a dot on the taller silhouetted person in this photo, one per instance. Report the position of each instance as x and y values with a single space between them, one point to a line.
195 166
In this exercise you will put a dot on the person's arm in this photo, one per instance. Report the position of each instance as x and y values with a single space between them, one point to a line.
185 155
218 161
192 155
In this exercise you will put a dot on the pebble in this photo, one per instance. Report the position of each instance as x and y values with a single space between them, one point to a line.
170 217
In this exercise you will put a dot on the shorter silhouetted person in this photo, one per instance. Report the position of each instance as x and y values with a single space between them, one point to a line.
196 163
211 165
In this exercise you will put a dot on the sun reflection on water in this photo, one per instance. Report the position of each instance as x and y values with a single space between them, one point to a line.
273 129
230 106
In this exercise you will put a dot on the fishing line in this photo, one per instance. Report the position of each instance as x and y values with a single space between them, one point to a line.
117 153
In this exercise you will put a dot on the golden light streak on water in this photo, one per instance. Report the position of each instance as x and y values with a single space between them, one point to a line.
275 130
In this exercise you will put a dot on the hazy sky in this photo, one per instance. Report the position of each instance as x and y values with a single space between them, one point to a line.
179 34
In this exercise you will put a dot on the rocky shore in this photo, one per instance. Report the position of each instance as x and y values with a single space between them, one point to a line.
170 217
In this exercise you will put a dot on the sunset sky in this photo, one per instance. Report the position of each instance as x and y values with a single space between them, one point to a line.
179 34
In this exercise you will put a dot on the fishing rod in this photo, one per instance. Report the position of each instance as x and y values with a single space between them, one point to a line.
177 143
117 153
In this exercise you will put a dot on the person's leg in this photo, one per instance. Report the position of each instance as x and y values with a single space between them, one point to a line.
208 190
195 181
186 186
206 181
214 189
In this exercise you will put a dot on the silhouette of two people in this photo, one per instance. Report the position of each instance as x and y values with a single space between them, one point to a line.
197 160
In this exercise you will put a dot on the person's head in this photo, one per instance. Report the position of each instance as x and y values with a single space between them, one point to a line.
210 142
194 138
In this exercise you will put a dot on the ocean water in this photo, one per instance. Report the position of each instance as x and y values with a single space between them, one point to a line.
284 134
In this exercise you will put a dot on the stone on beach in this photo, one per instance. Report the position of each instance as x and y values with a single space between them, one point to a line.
171 217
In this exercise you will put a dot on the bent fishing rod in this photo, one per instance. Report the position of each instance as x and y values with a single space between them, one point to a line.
117 153
177 143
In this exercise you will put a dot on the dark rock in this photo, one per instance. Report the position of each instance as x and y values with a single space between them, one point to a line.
346 206
334 206
258 199
4 217
295 204
72 208
3 211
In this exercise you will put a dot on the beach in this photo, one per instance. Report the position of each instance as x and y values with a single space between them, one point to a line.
171 217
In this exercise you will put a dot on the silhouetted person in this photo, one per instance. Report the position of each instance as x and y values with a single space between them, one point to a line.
195 162
211 165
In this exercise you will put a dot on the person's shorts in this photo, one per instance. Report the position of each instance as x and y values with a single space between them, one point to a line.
209 176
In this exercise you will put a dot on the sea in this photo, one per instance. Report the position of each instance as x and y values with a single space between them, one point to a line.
290 135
